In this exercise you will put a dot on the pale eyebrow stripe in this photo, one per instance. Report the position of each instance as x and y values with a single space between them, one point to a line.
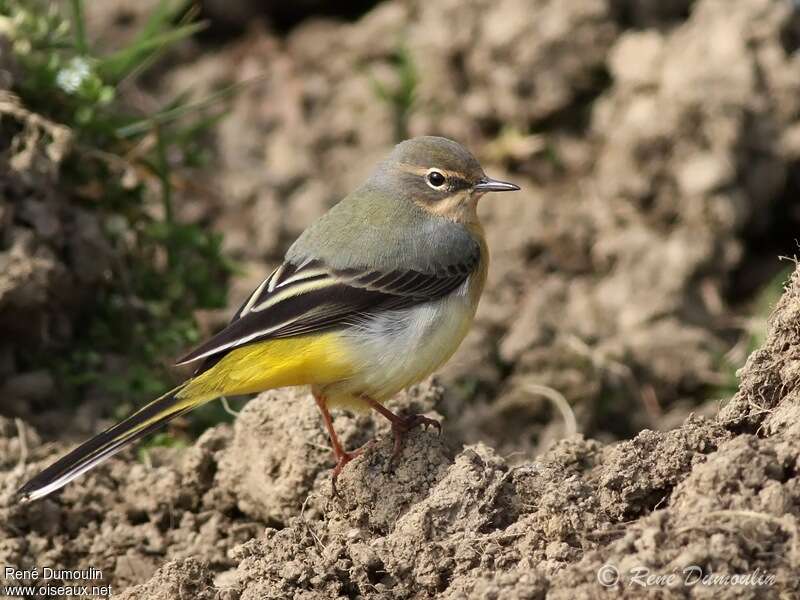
416 170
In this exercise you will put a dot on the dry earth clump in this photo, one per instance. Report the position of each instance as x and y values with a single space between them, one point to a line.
53 253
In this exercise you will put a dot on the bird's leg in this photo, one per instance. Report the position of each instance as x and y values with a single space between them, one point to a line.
341 456
401 425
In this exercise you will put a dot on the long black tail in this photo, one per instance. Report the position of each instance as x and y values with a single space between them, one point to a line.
104 445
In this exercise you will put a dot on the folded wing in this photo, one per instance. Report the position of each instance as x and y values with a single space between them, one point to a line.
301 299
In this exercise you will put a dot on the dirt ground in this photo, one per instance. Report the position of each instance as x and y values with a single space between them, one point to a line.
657 144
247 512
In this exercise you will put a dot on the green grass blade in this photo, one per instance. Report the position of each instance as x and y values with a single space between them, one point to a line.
117 65
166 116
79 25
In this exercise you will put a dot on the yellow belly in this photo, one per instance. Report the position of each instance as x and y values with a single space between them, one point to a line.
317 359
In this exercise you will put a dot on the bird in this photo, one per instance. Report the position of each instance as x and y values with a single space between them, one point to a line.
373 297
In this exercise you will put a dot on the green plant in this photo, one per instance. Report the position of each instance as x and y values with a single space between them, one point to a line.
124 165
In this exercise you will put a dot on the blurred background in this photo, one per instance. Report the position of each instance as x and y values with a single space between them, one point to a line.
158 157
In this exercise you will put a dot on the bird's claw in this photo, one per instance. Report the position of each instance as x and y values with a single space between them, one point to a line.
341 462
403 425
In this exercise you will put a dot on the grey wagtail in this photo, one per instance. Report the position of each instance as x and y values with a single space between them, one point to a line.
372 298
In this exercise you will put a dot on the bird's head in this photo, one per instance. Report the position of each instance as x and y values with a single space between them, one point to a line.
439 175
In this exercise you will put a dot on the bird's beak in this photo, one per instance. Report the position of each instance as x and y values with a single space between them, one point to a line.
487 184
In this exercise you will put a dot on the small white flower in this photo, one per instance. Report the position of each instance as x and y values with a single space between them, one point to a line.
71 77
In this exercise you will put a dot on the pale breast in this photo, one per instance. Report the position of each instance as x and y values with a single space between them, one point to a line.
401 347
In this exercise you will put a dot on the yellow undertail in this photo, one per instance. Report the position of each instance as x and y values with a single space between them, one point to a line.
317 359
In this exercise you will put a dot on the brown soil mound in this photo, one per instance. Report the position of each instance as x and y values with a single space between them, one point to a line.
716 495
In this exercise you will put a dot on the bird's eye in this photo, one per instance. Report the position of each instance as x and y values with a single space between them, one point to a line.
435 179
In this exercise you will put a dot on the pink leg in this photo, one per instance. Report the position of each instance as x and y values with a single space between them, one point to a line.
341 456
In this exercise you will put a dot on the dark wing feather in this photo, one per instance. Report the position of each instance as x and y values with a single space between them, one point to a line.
296 300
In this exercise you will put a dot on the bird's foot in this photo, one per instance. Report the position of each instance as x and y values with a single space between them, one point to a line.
402 425
342 458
